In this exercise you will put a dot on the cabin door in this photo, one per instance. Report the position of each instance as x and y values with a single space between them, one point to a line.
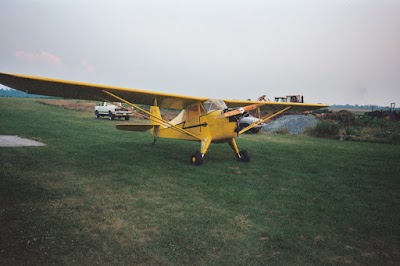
192 123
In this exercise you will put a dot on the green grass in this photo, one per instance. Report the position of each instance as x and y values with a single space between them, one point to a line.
95 195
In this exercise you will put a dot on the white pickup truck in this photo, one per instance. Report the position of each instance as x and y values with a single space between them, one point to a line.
112 110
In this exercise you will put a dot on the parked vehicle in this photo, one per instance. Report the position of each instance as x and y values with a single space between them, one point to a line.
248 120
290 99
112 110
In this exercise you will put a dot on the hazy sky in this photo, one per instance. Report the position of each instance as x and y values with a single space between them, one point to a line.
331 51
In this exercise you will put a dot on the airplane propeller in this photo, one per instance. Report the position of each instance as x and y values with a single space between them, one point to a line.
239 111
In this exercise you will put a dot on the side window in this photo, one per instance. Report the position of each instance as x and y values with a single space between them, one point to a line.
210 105
213 104
207 105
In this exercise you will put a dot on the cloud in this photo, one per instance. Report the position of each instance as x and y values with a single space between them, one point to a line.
87 67
39 57
136 73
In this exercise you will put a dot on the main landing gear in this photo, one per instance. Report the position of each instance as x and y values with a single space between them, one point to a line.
243 156
198 157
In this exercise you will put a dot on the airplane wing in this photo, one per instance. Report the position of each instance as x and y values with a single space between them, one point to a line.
295 108
87 91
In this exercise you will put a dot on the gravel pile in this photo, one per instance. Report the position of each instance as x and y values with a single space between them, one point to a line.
296 124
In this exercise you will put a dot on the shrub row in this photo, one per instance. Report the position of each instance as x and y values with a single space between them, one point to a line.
325 129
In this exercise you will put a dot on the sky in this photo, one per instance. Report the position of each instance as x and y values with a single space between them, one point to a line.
330 51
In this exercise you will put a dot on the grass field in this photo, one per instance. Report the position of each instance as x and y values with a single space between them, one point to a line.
95 195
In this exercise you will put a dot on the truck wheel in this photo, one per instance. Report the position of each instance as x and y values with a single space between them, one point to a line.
111 116
97 115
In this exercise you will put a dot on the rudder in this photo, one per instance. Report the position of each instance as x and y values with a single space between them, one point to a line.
155 118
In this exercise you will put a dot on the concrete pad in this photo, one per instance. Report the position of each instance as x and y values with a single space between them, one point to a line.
15 141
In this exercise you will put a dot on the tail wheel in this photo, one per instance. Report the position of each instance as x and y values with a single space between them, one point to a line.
196 158
243 156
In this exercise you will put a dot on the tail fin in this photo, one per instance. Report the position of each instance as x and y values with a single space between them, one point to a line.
155 112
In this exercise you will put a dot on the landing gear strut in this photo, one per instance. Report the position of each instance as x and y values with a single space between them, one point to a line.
198 157
242 155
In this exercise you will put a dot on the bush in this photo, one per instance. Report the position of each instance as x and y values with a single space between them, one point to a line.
326 129
395 138
345 118
351 131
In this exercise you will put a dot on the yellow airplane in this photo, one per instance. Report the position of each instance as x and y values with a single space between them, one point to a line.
201 119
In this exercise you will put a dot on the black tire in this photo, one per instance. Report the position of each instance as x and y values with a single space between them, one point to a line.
196 158
111 116
96 114
243 156
127 118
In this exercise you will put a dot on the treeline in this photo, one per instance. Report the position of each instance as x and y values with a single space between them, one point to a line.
18 94
361 107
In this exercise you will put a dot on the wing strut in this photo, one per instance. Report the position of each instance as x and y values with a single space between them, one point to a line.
152 116
262 120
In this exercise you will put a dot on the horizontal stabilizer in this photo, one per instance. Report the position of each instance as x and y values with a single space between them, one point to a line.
135 127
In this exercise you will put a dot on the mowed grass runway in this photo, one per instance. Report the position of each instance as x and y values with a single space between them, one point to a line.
96 195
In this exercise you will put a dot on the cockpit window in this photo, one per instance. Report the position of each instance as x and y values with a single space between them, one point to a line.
212 104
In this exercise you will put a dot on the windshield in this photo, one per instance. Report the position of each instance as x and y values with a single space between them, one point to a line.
212 104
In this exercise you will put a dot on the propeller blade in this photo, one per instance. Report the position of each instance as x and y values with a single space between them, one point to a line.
239 111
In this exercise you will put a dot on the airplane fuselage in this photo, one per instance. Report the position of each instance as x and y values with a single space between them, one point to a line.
200 122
